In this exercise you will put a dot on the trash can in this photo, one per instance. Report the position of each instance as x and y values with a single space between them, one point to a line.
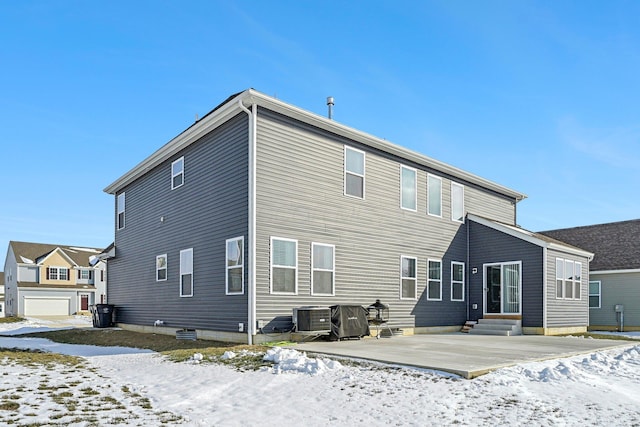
103 315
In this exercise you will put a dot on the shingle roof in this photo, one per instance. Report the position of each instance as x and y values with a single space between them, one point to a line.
26 252
616 245
1 278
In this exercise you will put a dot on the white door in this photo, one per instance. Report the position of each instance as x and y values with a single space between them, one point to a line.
46 306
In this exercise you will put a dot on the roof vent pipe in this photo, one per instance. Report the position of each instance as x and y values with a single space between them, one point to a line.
330 105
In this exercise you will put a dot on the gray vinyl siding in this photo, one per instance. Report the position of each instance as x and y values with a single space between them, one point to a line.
28 274
617 288
209 208
300 196
566 312
489 246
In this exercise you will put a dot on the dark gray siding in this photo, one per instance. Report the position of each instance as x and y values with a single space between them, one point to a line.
563 312
209 208
617 288
487 246
300 196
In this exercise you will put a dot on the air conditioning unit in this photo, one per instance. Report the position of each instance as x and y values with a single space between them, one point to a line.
315 320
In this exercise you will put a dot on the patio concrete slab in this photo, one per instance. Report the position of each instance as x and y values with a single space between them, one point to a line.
466 355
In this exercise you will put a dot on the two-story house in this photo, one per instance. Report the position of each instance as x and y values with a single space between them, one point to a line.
261 207
52 280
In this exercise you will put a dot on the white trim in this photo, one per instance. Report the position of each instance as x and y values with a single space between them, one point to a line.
528 236
120 209
364 169
439 179
434 280
58 268
186 269
166 267
485 289
589 295
631 270
564 279
332 270
271 265
58 250
455 184
545 290
227 268
415 189
463 281
415 278
173 175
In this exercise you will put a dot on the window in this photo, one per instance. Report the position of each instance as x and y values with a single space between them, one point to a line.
177 173
84 274
434 195
457 281
434 280
120 210
408 278
161 268
457 202
353 172
284 266
323 269
235 266
186 272
568 279
408 190
57 273
595 294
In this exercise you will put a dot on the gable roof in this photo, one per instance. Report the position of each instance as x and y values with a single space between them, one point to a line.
616 245
1 278
531 237
30 253
236 104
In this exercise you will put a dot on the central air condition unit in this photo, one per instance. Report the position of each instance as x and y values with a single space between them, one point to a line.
316 320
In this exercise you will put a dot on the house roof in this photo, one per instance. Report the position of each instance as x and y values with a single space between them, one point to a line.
616 245
531 237
54 286
237 103
1 278
31 253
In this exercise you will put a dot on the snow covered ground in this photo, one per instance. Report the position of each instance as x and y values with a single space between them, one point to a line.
134 387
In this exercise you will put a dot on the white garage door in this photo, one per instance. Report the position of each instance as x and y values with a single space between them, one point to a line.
46 307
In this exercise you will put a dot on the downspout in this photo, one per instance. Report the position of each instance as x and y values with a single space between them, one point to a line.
545 286
251 264
466 271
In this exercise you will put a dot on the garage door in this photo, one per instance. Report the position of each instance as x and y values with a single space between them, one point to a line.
46 307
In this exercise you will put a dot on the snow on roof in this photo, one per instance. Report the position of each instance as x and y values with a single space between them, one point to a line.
26 260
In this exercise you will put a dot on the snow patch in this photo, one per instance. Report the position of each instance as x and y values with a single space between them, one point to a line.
289 360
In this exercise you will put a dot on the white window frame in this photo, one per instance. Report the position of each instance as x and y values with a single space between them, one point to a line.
599 294
236 266
564 279
120 210
457 282
415 189
403 278
51 270
186 267
431 177
348 172
332 270
295 285
429 280
165 268
453 203
84 274
179 173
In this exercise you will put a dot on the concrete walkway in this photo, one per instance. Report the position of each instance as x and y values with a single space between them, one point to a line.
466 355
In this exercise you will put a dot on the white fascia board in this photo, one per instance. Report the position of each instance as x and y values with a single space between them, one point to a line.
61 252
636 270
529 236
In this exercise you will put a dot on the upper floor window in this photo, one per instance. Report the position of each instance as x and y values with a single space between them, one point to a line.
120 211
186 272
161 268
85 274
434 280
57 273
408 184
457 281
457 202
434 195
235 266
353 172
408 277
284 266
595 288
568 279
323 269
177 173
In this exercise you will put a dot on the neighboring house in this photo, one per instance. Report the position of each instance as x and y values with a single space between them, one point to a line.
261 207
2 294
52 280
614 278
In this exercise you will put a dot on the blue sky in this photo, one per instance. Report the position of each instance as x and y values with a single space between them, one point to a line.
541 97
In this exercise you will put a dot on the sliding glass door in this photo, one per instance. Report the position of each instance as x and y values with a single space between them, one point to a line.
502 285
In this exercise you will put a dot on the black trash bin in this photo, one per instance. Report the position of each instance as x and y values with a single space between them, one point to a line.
103 315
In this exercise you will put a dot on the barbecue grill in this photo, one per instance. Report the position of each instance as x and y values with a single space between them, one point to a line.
379 316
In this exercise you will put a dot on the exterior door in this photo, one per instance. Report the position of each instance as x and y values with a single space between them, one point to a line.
84 302
502 285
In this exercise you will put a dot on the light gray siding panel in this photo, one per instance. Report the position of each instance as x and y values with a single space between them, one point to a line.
617 288
28 274
565 312
300 196
209 208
